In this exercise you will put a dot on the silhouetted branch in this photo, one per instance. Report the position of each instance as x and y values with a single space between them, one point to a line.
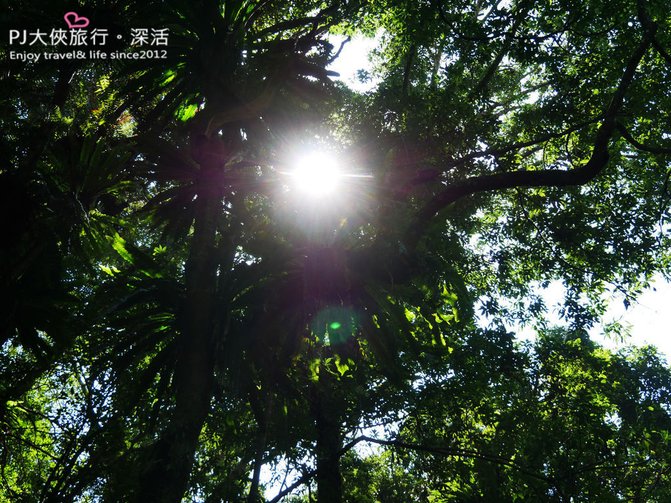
507 42
640 146
539 178
302 480
342 46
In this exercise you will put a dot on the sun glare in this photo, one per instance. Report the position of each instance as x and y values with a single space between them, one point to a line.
316 173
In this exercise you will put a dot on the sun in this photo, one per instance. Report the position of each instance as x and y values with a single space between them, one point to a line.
316 173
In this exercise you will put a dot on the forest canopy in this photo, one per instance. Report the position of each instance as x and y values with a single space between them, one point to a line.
227 276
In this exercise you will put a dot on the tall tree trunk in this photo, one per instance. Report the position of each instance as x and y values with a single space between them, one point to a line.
262 415
410 57
166 478
329 441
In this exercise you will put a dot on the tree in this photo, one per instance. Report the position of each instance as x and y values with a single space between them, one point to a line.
563 420
174 319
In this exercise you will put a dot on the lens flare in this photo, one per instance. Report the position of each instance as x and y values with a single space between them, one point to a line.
317 174
334 325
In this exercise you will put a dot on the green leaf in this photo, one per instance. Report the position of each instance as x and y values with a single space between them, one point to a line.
119 245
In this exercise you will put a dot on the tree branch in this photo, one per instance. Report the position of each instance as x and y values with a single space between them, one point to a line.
499 151
650 26
640 146
539 178
302 480
444 451
342 46
507 42
451 451
408 67
662 51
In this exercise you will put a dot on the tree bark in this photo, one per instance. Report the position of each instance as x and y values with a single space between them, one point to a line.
262 415
329 441
169 466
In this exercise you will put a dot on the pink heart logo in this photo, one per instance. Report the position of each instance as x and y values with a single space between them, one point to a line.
74 20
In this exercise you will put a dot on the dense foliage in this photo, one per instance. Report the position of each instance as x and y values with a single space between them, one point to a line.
180 322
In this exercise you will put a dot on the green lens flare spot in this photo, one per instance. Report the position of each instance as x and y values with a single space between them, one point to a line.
333 325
